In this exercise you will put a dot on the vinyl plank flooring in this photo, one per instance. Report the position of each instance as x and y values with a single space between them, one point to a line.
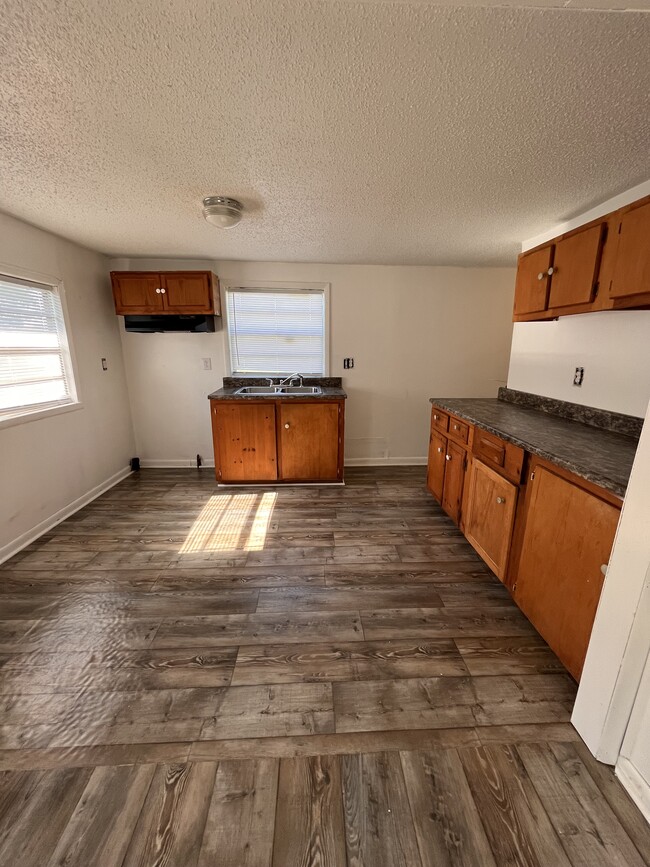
508 655
424 623
92 756
170 827
432 553
67 582
239 829
346 599
263 628
378 824
181 580
389 660
271 711
447 822
309 826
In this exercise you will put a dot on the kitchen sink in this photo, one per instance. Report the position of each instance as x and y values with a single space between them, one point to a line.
279 390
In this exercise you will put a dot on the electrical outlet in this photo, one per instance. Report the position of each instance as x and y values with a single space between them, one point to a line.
207 363
578 376
348 363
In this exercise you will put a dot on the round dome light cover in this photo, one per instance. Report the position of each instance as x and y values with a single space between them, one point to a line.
222 212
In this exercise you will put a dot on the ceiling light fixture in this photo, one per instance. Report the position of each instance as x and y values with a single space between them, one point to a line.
222 212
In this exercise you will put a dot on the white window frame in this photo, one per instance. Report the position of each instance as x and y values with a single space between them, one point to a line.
229 285
11 271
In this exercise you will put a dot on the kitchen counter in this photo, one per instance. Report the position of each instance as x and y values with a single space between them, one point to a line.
331 389
601 456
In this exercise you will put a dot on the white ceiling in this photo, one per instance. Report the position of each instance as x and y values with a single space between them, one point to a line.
353 132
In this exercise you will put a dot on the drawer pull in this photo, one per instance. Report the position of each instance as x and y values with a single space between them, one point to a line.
447 457
501 500
436 417
440 449
456 427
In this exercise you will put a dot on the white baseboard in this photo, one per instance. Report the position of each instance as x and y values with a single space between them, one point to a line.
636 786
173 463
30 536
386 462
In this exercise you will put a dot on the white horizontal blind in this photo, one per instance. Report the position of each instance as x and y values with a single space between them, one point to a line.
35 369
276 331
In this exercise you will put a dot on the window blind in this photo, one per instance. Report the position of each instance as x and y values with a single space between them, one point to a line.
35 370
276 331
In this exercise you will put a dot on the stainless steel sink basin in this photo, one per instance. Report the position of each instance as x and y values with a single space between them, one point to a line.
278 390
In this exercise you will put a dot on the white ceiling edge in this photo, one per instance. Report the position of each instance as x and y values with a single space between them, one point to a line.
613 204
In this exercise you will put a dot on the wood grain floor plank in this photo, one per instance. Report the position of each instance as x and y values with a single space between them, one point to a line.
92 756
178 579
426 623
386 574
447 823
347 599
100 828
528 654
240 823
378 823
309 826
514 819
64 582
170 827
389 660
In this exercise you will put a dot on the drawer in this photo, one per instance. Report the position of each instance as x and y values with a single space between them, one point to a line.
505 457
458 430
439 420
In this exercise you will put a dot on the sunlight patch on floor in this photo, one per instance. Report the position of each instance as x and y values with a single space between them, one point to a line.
231 522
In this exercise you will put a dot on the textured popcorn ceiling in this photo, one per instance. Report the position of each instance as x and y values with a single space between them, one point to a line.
353 132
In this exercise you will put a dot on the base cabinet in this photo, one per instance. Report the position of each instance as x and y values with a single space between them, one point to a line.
447 462
436 465
452 497
490 516
276 440
568 537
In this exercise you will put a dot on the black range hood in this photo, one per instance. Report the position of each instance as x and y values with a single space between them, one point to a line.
169 322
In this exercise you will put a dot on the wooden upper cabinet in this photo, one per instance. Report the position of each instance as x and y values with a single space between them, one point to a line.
568 536
631 274
575 267
436 464
532 284
490 516
310 440
172 292
136 292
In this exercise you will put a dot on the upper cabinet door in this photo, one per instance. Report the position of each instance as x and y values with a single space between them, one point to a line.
531 287
575 267
137 292
632 265
187 292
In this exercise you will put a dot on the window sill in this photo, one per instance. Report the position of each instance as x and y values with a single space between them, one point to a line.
39 414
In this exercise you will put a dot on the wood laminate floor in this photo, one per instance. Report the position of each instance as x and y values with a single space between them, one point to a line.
299 677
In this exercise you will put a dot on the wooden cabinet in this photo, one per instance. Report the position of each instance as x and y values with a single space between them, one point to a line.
455 460
308 437
490 515
165 292
436 464
278 440
244 441
447 461
568 535
603 265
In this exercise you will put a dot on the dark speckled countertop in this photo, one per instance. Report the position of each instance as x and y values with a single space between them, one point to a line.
600 456
331 388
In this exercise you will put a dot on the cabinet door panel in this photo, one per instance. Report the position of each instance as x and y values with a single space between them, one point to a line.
309 440
189 292
531 293
136 293
568 536
244 441
454 479
632 266
436 465
491 505
575 267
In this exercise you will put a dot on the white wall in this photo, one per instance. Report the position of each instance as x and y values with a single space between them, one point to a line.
49 463
612 346
414 332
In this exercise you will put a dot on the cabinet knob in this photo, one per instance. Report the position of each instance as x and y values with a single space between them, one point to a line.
447 457
541 275
551 271
162 291
436 417
158 291
440 449
287 425
501 500
603 568
456 427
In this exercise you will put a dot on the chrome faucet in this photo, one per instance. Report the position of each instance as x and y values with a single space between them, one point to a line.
290 379
270 380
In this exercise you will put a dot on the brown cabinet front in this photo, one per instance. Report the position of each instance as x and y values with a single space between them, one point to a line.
632 266
489 520
308 441
188 292
455 460
436 465
137 292
532 283
575 267
568 536
244 441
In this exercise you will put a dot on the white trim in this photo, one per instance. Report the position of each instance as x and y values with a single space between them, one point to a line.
173 463
40 413
226 285
607 207
636 786
386 462
31 535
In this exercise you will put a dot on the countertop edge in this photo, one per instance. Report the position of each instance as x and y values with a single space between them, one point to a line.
587 474
326 394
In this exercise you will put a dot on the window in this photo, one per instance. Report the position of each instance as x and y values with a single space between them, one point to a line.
35 364
277 331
